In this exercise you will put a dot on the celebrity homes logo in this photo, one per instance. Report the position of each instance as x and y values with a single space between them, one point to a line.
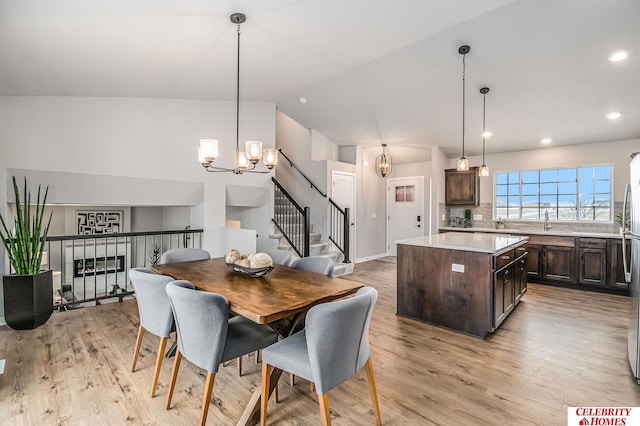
603 416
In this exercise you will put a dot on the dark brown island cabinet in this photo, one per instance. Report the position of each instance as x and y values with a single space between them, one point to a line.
467 282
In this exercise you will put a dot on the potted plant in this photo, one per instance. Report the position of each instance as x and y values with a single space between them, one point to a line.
28 292
623 220
499 223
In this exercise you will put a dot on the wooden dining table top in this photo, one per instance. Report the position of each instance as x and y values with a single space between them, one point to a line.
283 292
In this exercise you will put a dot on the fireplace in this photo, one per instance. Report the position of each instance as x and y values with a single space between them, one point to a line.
98 266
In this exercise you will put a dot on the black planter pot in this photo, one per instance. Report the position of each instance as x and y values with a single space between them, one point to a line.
28 300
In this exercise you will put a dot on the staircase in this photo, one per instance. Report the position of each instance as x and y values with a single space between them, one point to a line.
317 247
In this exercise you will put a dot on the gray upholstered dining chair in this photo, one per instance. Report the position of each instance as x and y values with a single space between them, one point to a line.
280 257
319 264
154 311
207 337
183 255
333 347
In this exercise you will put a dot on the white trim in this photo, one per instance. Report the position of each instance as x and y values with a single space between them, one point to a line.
368 258
353 208
2 321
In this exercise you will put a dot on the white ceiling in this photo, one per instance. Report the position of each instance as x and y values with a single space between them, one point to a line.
373 71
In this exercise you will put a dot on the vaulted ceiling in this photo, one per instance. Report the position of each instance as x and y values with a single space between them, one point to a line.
372 71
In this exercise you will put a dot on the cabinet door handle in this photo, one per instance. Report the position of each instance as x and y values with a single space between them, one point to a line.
506 257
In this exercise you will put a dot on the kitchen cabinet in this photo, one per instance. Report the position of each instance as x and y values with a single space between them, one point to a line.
556 258
463 282
520 269
503 287
592 261
462 188
616 274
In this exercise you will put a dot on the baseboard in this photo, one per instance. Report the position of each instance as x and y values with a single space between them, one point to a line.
368 258
2 322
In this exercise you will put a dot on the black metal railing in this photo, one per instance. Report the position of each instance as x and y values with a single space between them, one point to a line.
339 224
90 268
302 173
293 221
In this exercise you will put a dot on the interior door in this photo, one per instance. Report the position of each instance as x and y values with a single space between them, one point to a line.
405 210
343 193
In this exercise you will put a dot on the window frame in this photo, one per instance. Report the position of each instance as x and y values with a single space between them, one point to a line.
557 182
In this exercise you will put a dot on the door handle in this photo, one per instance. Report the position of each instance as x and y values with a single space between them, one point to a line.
627 271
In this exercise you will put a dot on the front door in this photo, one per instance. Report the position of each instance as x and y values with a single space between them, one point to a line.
405 210
343 193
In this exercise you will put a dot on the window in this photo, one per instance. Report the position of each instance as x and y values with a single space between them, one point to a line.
572 194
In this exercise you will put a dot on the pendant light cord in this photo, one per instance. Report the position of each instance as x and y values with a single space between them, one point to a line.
463 97
484 114
238 103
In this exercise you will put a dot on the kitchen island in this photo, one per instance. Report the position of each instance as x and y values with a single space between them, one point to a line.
465 282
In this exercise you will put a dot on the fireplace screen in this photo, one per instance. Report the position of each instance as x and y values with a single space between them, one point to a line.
98 266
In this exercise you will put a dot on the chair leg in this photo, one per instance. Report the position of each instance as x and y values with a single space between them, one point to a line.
174 376
206 399
136 352
258 357
156 373
324 409
239 366
373 391
292 379
264 399
312 387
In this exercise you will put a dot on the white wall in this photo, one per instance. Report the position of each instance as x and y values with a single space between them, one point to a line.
296 142
371 198
133 138
615 152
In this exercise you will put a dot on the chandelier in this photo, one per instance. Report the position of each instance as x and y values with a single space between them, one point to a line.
246 160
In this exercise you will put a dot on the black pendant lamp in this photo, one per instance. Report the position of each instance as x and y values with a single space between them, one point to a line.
463 163
484 169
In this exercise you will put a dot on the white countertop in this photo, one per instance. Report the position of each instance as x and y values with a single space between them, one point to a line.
480 242
534 232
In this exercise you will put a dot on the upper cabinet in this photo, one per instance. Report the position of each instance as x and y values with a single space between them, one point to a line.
462 188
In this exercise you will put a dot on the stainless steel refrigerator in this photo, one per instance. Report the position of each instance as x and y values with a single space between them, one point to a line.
632 260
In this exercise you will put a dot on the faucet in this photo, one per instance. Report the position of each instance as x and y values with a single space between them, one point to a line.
546 220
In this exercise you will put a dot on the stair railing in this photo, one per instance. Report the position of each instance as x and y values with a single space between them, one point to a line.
293 221
339 220
303 175
339 228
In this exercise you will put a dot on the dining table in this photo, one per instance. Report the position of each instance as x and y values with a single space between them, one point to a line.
280 299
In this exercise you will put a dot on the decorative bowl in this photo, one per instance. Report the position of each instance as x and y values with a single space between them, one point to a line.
250 272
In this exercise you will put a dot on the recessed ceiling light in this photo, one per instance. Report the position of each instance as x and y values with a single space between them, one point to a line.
546 141
487 134
302 100
618 55
614 115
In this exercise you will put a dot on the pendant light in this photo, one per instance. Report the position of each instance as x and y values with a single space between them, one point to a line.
245 161
484 170
463 163
384 163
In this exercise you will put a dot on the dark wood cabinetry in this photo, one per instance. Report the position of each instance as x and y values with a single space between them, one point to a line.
503 287
616 270
462 188
552 258
520 270
592 261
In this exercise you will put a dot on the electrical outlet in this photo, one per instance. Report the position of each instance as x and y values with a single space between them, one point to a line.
444 217
477 217
373 215
456 267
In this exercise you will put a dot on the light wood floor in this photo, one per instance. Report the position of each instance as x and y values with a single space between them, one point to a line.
559 348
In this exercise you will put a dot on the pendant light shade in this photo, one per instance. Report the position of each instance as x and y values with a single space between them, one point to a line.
384 163
484 169
463 163
245 161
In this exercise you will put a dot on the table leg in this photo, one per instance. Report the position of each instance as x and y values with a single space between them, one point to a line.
251 414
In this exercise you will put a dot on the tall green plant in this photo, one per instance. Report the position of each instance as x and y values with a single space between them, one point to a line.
25 242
